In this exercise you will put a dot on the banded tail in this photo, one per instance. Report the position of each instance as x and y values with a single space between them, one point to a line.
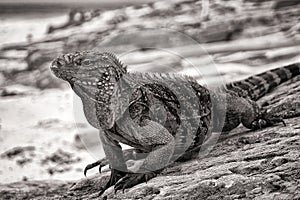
258 85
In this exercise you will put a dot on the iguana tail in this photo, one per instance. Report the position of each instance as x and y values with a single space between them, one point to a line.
258 85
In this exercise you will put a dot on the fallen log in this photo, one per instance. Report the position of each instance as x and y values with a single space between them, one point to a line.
254 44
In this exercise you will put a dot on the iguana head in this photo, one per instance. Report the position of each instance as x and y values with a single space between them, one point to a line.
88 68
93 76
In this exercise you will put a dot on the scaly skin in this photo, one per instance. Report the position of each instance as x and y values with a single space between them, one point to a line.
165 117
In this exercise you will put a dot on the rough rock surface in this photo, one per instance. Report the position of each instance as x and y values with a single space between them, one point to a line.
244 164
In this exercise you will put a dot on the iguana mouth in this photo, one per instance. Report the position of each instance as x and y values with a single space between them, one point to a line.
66 66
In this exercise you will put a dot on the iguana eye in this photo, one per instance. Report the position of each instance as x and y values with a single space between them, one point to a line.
78 61
104 57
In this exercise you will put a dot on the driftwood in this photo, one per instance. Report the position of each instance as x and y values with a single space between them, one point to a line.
244 164
76 18
255 44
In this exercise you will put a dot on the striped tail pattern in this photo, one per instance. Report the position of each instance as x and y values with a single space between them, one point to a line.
258 85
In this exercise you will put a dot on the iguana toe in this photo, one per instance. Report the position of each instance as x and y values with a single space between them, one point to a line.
132 179
103 162
129 154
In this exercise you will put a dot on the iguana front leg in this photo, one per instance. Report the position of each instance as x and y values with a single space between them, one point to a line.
128 154
161 142
114 154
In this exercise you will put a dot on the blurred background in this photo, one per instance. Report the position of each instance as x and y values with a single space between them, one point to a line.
43 134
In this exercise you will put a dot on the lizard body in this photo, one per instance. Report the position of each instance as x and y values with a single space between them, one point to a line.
165 117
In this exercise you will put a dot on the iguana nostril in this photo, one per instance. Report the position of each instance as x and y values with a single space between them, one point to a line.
54 64
60 62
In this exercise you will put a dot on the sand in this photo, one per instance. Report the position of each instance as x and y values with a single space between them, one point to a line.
43 126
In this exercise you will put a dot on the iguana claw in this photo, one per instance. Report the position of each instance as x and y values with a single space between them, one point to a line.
265 120
103 162
128 154
115 176
132 179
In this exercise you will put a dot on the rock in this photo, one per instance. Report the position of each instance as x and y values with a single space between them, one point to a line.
14 90
285 3
59 162
43 53
16 151
41 78
60 157
12 66
21 155
12 191
2 79
76 17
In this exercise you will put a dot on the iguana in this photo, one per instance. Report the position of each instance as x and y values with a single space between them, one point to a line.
164 117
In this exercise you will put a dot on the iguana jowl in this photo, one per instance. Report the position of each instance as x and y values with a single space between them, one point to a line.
165 117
